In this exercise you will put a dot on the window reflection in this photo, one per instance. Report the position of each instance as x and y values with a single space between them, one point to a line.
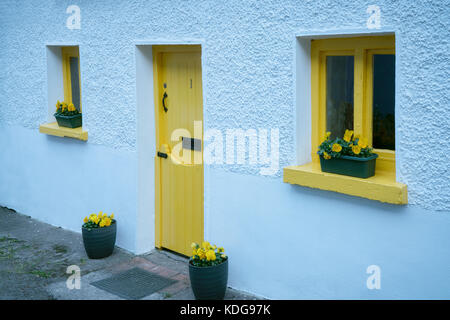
339 100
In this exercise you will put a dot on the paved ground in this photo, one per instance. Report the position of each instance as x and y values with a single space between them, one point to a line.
34 257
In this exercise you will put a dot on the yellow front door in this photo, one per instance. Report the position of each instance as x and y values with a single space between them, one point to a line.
178 162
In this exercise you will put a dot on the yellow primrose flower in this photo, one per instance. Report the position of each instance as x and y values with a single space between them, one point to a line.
348 135
336 147
210 255
107 221
201 253
205 245
356 149
112 216
85 220
102 223
326 156
362 142
194 252
220 249
94 219
194 245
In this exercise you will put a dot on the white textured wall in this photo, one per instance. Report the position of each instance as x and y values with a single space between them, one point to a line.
249 54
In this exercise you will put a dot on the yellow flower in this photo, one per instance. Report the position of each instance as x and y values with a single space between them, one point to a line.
107 221
201 253
112 216
327 135
356 149
102 223
205 245
220 250
362 142
85 220
210 255
336 147
326 156
194 252
94 219
71 107
348 135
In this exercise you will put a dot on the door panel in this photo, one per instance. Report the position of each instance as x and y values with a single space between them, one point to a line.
180 197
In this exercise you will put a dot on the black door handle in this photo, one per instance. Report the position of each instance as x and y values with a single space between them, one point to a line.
163 102
162 155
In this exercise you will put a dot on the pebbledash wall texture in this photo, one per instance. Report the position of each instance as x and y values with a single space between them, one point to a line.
284 241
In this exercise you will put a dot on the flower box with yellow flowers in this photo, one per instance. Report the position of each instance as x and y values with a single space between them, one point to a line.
350 156
67 115
99 235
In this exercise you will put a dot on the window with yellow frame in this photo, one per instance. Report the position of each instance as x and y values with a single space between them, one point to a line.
353 87
71 76
72 94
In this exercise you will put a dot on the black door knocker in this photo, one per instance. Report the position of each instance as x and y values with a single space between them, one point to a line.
163 102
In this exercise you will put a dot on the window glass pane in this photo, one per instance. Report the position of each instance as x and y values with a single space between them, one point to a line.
340 79
384 101
75 82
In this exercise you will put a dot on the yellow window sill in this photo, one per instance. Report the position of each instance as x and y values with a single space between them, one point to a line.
55 130
382 187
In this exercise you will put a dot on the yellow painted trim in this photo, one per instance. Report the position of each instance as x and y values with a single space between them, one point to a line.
67 53
176 48
386 159
55 130
382 187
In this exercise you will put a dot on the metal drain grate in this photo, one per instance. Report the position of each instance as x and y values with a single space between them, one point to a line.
133 284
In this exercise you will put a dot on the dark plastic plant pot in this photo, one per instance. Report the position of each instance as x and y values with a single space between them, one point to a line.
68 121
209 283
99 242
350 166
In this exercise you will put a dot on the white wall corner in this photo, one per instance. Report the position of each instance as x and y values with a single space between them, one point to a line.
55 86
146 149
303 99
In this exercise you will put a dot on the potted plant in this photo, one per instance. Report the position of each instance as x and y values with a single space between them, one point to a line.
350 156
99 235
208 272
67 115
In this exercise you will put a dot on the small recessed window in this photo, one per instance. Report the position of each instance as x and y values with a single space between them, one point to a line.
64 81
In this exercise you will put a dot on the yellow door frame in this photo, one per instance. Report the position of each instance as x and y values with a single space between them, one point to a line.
157 51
